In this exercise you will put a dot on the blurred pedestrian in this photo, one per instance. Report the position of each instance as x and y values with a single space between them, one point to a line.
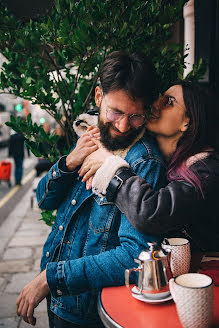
16 150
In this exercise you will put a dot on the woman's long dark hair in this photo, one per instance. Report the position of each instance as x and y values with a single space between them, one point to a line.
202 134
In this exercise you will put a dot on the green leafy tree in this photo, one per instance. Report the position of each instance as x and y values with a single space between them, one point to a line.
54 61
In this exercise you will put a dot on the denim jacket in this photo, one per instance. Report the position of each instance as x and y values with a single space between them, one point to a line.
91 242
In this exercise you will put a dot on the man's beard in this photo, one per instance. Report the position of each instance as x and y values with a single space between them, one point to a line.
118 142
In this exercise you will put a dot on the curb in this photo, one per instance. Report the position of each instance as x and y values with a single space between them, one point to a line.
10 225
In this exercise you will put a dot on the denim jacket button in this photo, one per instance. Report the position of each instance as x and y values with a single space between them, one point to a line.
74 202
47 254
54 173
59 292
61 227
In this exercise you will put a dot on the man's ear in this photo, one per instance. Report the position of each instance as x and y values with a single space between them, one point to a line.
98 96
185 125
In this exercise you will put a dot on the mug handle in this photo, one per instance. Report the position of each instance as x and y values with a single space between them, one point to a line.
127 276
171 285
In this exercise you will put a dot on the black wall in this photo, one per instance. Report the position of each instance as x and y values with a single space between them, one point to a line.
207 39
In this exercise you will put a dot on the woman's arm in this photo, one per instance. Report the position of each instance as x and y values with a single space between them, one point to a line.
151 211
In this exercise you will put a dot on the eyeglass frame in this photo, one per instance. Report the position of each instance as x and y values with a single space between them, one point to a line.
122 115
172 98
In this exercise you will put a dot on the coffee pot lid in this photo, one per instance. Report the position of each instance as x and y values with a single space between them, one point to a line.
154 253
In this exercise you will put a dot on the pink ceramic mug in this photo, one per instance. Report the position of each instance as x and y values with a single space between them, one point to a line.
180 255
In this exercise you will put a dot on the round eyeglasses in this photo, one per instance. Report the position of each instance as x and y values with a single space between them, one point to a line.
135 120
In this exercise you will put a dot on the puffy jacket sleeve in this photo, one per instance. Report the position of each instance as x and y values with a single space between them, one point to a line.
151 211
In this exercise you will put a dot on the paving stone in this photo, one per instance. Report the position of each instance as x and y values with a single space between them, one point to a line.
28 241
33 224
9 226
18 281
36 266
30 233
15 266
2 282
39 225
10 322
37 253
17 253
32 215
8 305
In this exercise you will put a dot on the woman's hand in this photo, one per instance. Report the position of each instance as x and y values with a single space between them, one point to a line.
92 163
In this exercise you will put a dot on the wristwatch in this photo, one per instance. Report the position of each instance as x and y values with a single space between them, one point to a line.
117 181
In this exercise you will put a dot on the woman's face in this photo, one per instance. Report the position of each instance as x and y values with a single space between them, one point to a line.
172 120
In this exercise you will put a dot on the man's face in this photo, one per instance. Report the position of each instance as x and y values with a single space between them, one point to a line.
117 134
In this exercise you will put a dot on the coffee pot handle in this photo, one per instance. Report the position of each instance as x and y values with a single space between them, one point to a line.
127 276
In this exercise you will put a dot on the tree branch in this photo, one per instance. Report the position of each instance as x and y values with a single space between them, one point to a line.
93 85
60 92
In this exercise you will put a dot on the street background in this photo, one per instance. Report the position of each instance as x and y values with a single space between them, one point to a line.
22 236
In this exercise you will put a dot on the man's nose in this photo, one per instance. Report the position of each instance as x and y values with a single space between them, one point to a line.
123 125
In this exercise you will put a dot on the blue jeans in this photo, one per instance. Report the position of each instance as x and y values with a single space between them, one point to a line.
18 169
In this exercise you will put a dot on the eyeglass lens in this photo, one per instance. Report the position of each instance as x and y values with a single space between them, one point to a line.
134 120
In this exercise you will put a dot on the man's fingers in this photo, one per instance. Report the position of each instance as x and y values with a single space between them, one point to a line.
25 319
92 149
19 307
97 142
93 129
86 138
30 317
18 301
23 311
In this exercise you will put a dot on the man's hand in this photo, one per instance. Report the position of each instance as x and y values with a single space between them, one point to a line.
92 163
85 146
31 295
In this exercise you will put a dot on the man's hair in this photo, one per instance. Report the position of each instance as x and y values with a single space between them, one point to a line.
133 73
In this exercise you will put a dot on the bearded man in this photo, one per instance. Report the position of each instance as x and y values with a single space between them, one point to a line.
91 242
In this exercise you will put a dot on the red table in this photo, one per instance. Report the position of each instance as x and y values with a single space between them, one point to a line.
118 308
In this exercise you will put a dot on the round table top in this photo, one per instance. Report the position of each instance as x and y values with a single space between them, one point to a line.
118 308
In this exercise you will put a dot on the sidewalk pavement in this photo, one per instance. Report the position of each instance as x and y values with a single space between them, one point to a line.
22 236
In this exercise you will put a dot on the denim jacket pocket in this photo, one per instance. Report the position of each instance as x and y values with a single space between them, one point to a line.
101 216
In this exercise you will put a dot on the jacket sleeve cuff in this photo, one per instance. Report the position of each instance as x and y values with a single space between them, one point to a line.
59 169
55 275
63 168
105 173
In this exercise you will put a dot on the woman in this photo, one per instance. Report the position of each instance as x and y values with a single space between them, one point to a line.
186 125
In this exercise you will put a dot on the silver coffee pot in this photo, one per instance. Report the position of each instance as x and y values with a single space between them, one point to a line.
154 272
